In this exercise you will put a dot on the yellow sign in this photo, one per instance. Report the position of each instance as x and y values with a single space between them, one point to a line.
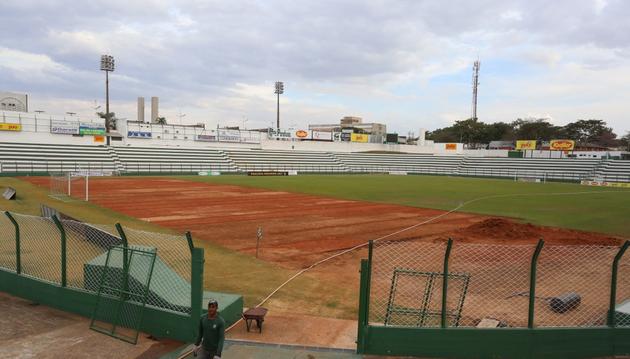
451 146
526 144
561 145
10 127
359 137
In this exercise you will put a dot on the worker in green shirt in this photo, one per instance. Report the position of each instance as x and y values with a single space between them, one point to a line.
212 331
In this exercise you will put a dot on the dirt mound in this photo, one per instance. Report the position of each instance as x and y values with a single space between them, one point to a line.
500 230
503 228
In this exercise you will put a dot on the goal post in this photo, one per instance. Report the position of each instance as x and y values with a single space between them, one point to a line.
529 177
64 186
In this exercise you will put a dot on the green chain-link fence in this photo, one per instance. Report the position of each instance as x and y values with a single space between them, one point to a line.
64 252
490 283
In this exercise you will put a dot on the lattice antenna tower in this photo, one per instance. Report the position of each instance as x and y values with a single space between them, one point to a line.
475 85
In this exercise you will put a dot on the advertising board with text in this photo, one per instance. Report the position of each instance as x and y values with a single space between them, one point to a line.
526 144
64 127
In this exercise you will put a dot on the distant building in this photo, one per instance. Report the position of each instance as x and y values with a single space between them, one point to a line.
355 123
13 102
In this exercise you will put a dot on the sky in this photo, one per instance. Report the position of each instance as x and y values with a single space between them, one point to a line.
404 63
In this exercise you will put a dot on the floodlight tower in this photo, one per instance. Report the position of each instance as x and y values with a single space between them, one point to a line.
107 65
279 91
475 83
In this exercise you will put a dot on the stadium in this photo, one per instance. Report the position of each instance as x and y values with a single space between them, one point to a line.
353 247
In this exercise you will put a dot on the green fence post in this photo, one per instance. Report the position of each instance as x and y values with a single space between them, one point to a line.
369 281
447 255
62 231
613 284
191 246
125 263
196 289
364 298
18 260
532 283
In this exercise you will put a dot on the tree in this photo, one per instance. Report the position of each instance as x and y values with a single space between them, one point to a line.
470 131
498 131
539 130
625 141
110 119
590 132
160 121
446 134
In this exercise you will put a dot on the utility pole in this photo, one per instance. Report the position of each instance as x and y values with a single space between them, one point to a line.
475 83
107 65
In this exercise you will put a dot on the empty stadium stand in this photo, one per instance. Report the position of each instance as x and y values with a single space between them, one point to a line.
29 158
172 160
301 161
543 168
613 171
410 163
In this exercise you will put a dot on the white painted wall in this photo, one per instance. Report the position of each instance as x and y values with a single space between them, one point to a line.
36 129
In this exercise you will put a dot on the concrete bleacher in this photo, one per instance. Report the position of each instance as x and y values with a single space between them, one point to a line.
410 163
172 160
613 171
543 168
30 158
33 158
276 160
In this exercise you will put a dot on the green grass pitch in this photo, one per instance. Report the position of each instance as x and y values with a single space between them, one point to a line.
568 205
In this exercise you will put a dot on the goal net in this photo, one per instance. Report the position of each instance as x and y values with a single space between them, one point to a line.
536 178
65 186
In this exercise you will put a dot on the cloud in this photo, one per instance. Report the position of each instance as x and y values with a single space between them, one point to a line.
407 62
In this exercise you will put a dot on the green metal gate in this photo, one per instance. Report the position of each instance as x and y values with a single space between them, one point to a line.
123 290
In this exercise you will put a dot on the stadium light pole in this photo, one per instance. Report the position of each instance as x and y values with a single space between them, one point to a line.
107 65
279 91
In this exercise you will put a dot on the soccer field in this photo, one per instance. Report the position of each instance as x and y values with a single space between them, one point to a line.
566 205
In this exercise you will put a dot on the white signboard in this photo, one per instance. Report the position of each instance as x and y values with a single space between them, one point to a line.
229 136
322 135
64 127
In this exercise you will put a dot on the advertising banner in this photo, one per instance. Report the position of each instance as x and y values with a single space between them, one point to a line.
526 144
301 134
562 145
89 128
605 184
229 136
450 146
139 134
206 138
359 137
10 127
345 136
322 135
289 134
64 127
278 133
99 139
